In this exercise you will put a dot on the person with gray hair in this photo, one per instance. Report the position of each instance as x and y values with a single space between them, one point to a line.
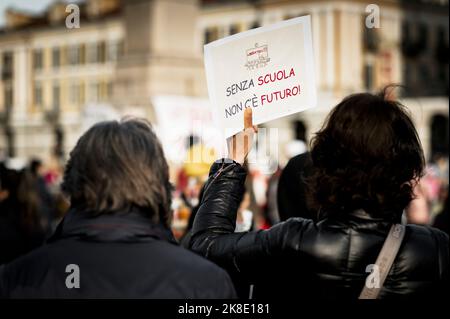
115 241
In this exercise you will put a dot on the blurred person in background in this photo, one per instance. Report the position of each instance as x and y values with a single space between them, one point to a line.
418 211
117 231
291 192
257 185
46 200
430 193
189 181
52 177
244 217
442 219
271 213
291 195
440 168
21 227
367 160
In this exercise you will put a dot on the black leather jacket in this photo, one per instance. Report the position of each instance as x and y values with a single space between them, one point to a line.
327 259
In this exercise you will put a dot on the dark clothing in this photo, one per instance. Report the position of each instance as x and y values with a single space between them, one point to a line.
14 240
291 194
327 259
46 203
17 237
442 219
119 256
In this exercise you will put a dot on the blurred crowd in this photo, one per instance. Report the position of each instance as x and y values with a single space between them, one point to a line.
268 201
32 203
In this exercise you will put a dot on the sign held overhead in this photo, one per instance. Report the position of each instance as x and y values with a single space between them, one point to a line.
270 69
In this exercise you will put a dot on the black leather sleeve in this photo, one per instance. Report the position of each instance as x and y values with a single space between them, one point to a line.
249 254
443 257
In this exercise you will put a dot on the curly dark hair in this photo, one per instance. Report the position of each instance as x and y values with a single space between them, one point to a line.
366 156
117 165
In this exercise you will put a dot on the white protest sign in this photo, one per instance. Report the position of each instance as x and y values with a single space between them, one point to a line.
270 69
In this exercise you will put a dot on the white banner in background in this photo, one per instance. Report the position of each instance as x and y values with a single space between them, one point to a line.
178 117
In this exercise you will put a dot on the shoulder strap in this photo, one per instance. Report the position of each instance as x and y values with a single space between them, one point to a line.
384 261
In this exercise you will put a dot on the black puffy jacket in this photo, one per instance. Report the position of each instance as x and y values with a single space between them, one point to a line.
118 256
327 259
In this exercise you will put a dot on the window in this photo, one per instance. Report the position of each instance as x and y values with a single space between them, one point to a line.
94 92
423 36
8 96
56 94
109 90
211 34
425 74
113 51
368 77
102 91
99 90
442 75
101 51
234 28
92 55
74 55
406 32
441 34
439 135
56 57
74 94
408 76
37 59
255 25
37 94
82 53
406 37
442 50
7 65
82 93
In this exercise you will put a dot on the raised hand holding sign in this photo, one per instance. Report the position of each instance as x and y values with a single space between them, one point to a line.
240 144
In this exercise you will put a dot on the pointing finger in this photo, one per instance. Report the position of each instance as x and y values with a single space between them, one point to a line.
248 120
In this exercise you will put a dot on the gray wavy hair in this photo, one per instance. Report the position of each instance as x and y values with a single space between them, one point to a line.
116 165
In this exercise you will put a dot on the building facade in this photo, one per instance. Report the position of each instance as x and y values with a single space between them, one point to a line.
50 74
127 53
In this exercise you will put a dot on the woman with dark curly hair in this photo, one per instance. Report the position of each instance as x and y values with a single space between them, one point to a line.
367 158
